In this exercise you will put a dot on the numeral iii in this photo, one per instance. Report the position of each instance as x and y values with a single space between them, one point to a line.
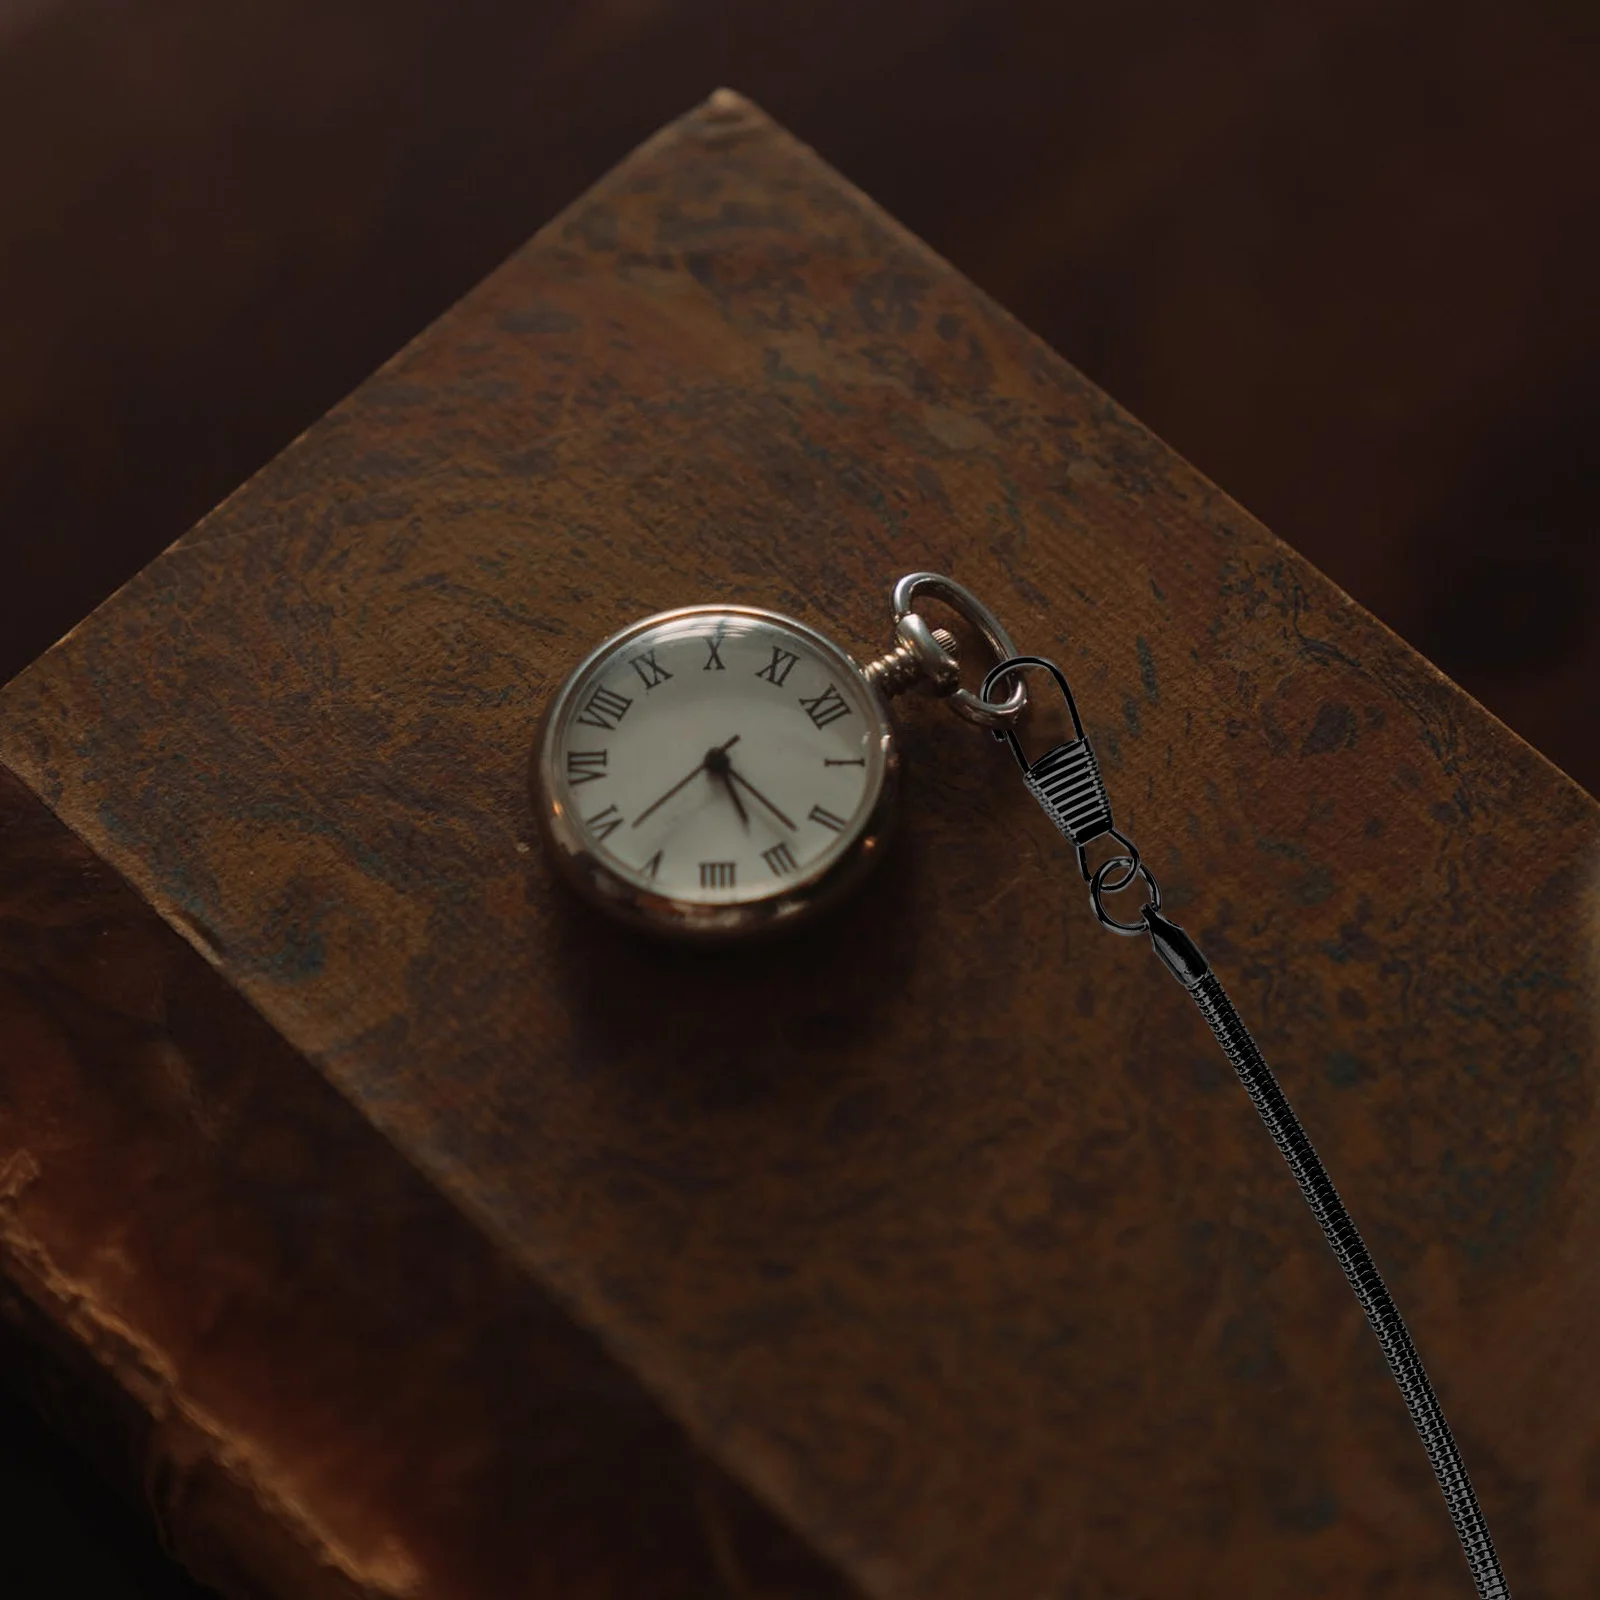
780 858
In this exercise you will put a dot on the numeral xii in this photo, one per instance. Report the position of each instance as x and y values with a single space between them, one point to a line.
826 707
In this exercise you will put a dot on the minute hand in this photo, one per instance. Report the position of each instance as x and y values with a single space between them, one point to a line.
681 783
746 783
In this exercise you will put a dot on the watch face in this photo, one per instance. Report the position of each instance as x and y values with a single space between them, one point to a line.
715 768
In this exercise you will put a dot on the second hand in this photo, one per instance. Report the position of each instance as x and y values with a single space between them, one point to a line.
737 778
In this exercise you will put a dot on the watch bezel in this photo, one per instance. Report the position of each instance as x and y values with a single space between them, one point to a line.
797 900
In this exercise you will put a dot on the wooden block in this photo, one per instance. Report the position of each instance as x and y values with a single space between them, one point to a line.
430 1236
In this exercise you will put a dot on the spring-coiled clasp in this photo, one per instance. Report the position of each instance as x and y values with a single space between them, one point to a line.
1066 781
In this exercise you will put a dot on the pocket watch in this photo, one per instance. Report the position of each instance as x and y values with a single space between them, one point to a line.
722 770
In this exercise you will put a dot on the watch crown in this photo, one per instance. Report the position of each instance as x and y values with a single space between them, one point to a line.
895 672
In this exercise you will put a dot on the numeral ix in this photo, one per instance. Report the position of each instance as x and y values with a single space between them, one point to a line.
650 671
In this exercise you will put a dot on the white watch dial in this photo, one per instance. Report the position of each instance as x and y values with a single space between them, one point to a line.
718 757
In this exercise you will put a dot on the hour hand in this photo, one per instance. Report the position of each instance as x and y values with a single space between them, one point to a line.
718 765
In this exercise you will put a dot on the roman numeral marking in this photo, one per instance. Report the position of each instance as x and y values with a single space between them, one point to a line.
716 874
652 868
827 707
605 709
714 661
604 823
584 766
650 671
823 815
778 668
855 761
780 858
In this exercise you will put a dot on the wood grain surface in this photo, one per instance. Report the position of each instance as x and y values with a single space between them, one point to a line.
1339 253
232 1293
942 1227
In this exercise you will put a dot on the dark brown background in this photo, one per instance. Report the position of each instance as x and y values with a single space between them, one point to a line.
1337 253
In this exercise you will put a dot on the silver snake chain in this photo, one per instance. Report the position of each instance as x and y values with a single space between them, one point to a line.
1066 782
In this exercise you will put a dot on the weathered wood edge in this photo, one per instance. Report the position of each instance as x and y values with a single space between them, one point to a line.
728 115
126 1056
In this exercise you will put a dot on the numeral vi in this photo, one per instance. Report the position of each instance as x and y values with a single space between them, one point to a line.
604 823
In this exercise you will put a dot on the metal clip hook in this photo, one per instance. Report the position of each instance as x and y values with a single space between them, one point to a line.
1066 779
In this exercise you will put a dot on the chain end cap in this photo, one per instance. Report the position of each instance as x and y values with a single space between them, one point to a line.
1179 953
